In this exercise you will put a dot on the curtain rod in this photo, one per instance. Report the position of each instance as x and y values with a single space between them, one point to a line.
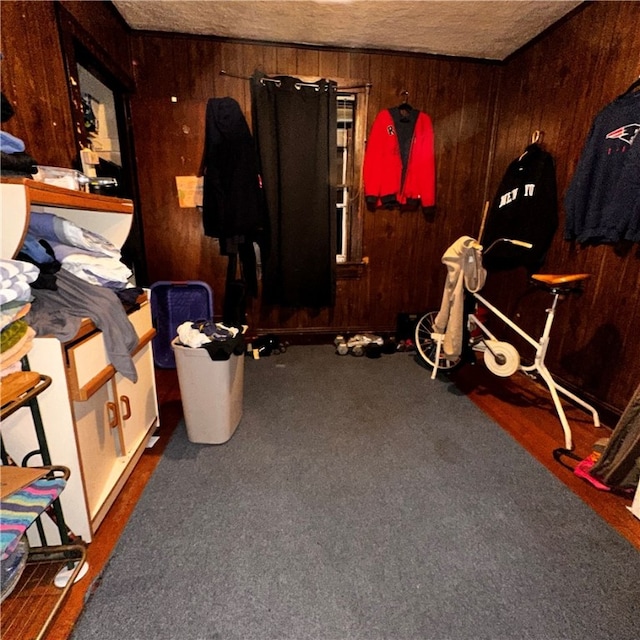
368 85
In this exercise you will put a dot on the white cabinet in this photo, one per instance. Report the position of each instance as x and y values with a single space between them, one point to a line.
96 421
114 420
137 402
99 448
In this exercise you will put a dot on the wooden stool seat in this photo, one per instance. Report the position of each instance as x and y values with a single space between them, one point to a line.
554 280
15 384
561 283
18 388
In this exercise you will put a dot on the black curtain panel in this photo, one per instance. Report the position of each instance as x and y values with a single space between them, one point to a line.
294 126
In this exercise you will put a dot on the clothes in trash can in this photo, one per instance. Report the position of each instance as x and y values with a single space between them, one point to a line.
211 379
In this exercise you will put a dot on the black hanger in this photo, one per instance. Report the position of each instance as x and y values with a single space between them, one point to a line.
634 85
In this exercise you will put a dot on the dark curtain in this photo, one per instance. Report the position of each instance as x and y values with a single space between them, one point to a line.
295 130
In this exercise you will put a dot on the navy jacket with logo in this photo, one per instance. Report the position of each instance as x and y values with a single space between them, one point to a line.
603 199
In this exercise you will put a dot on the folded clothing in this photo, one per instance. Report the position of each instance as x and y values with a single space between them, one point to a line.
12 311
55 229
20 349
17 164
101 269
10 144
84 253
15 279
11 334
36 250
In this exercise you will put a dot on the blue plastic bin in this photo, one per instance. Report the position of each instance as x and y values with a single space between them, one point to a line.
173 303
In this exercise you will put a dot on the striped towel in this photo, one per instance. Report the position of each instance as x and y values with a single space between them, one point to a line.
20 509
15 276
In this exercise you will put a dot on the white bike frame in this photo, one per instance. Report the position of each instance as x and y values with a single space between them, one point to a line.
538 365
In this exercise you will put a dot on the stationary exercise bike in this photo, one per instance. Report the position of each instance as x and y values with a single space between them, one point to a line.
502 358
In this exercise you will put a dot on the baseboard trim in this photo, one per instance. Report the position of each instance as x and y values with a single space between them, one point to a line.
320 336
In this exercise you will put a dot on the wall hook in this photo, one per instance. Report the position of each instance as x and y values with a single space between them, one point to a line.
537 137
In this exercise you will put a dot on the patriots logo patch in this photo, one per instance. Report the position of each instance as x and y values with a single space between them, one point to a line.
626 134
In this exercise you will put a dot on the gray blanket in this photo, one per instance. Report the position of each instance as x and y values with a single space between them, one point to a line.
60 312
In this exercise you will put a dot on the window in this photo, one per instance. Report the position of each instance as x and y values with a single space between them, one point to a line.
351 126
346 107
352 105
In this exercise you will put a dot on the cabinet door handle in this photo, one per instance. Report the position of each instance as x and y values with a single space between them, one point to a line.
112 414
127 407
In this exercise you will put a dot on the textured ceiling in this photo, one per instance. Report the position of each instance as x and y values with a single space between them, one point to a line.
490 29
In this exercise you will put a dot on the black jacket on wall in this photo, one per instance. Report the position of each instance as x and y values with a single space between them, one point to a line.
233 206
525 207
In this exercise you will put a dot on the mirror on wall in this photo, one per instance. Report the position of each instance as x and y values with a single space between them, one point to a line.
100 116
102 155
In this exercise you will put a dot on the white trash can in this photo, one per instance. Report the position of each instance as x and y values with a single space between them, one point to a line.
211 391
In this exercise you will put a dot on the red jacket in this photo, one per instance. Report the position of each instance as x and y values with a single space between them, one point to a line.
383 165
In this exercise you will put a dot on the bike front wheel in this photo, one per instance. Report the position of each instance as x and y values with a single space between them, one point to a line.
427 346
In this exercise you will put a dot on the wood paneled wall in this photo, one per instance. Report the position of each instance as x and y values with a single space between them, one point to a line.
558 84
34 78
106 31
34 81
404 273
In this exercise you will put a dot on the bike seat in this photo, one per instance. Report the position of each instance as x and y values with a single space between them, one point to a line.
565 283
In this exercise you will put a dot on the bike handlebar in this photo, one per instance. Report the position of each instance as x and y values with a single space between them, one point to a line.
519 243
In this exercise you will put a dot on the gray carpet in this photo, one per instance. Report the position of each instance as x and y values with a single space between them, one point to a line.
358 499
